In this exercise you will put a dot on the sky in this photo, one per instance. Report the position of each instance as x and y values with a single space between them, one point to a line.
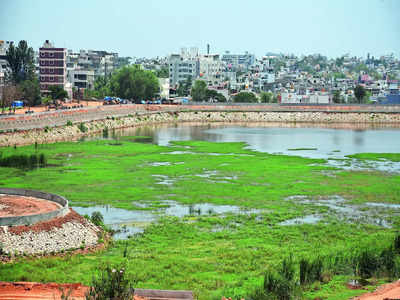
150 28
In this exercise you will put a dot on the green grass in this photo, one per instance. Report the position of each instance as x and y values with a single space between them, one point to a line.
376 156
211 255
301 149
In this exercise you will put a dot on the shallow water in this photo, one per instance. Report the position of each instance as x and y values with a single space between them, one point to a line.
327 141
129 222
367 213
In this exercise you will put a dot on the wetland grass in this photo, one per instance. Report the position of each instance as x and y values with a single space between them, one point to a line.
210 254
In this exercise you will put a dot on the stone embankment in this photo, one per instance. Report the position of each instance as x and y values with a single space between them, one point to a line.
52 127
71 231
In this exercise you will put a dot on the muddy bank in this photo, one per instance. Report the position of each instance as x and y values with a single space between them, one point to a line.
74 130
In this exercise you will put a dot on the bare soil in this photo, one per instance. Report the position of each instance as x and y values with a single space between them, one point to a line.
13 205
390 291
50 291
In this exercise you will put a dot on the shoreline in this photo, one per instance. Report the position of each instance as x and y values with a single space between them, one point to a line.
74 130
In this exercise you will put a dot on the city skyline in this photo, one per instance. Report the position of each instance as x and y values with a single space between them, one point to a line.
157 28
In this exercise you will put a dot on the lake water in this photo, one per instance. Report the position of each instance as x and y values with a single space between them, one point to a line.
326 141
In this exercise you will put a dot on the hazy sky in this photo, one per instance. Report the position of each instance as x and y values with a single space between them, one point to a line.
158 27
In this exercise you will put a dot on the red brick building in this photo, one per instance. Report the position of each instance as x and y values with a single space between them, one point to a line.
53 66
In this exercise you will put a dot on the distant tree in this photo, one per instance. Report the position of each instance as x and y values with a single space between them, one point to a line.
57 92
21 62
336 97
213 94
359 93
9 93
30 92
245 97
267 97
184 87
199 91
162 73
132 82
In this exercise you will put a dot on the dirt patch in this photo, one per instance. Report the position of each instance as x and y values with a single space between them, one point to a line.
50 224
50 291
13 205
390 291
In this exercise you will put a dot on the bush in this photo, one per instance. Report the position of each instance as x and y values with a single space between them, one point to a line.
280 285
82 127
69 123
23 161
105 132
97 218
310 271
110 284
367 264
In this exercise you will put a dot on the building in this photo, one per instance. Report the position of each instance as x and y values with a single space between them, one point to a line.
84 67
4 45
183 66
238 61
53 67
211 69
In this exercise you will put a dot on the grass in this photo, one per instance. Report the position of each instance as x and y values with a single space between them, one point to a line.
189 253
301 149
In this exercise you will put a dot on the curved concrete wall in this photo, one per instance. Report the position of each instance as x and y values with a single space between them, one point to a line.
32 219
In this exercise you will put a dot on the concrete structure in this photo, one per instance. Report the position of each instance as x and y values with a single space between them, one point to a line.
183 66
53 67
81 79
4 45
211 69
238 61
34 218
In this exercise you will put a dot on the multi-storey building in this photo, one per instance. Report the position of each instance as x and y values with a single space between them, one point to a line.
84 67
53 67
238 61
183 66
4 45
211 69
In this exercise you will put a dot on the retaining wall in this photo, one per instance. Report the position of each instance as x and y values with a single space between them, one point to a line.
88 114
32 219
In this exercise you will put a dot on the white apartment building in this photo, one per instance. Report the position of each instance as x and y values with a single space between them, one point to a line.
212 69
184 65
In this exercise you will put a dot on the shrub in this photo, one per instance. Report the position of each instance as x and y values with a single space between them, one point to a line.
23 161
112 283
397 243
310 271
97 218
367 264
82 127
69 123
280 285
105 132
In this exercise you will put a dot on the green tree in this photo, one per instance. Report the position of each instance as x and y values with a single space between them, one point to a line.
132 82
30 91
57 92
162 73
267 97
336 97
184 87
199 91
245 97
20 60
359 93
213 94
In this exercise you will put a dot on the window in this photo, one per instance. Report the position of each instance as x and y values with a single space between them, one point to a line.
51 78
51 54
